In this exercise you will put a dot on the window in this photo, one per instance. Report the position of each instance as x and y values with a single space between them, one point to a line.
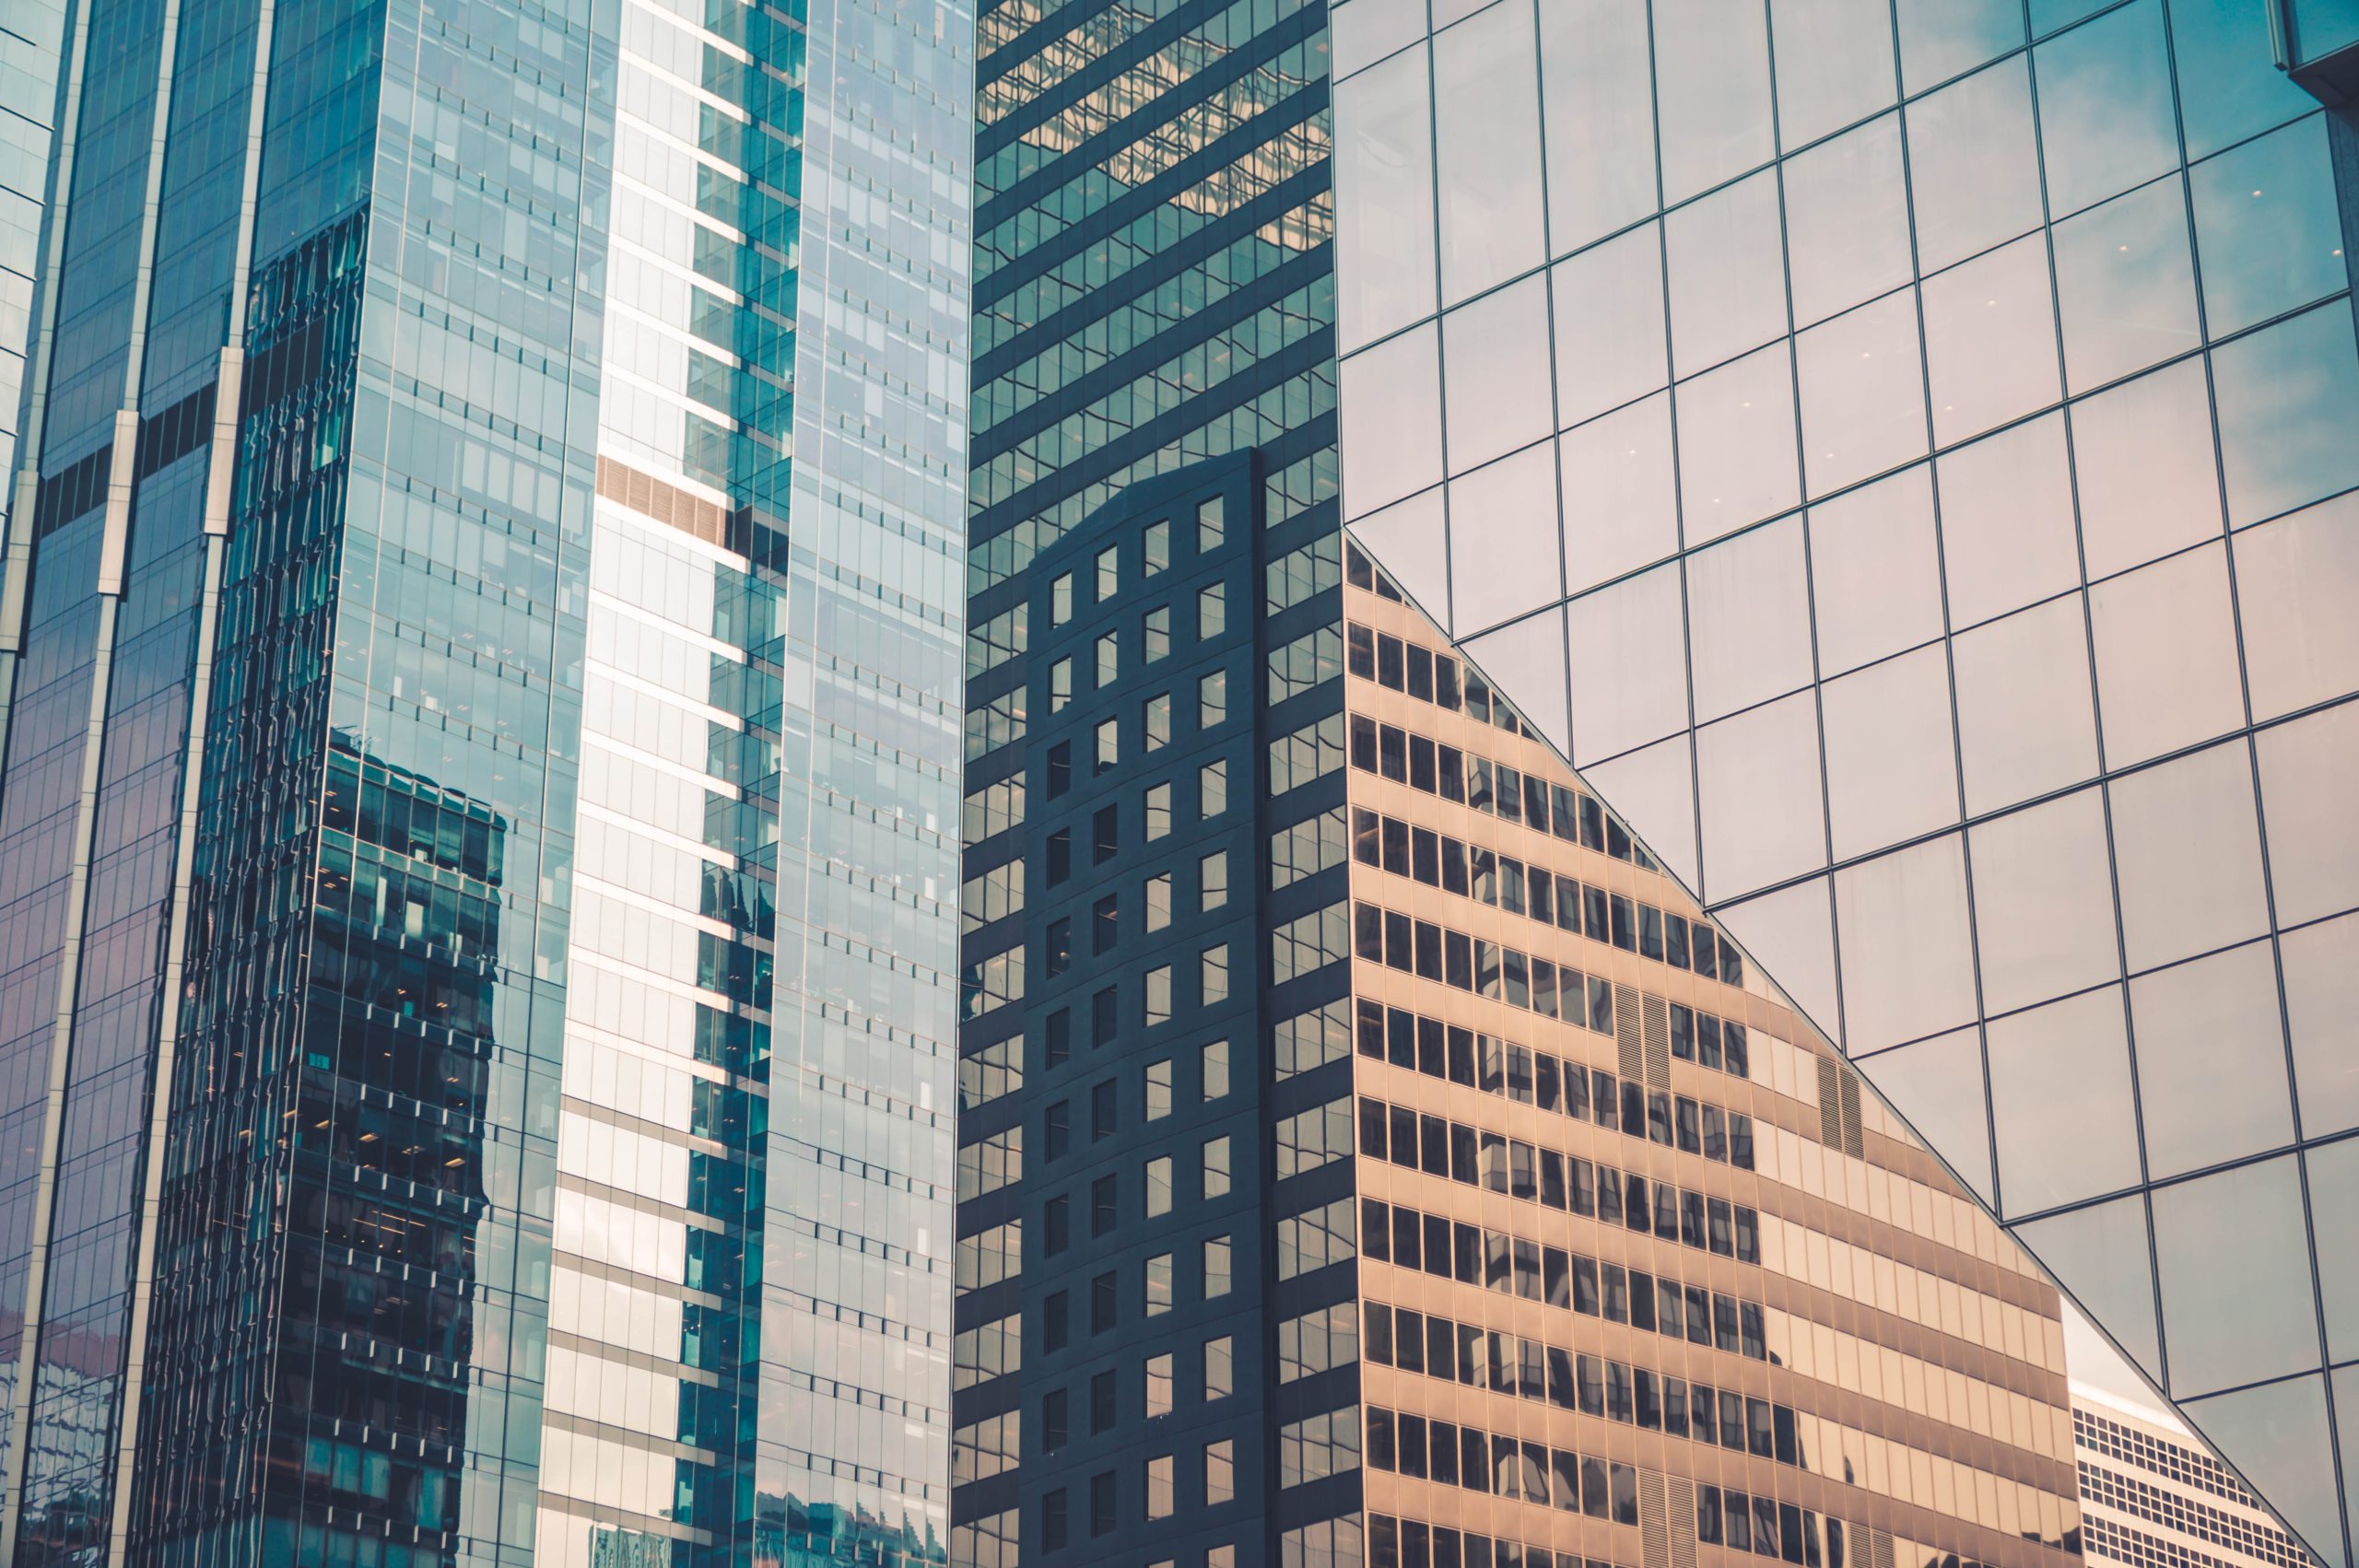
1158 1187
1157 641
1154 547
1216 1070
1059 768
1105 925
1060 856
1158 902
1158 1486
1103 1019
1102 1305
1056 1323
1053 1520
1106 835
1056 1125
1158 811
1110 660
1056 1422
1212 789
1057 946
1061 685
1156 721
1110 573
1219 1251
1157 1009
1101 1504
1212 977
1159 1385
1158 1089
1061 600
1103 1111
1158 1285
1212 700
1058 1042
1212 612
1110 743
1211 880
1220 1367
1102 1403
1220 1486
1210 529
1218 1169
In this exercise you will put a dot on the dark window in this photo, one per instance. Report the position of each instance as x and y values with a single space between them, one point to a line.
1105 925
1102 1403
1060 855
1056 1323
1103 1017
1053 1520
1102 1115
1055 1422
1101 1504
1056 1129
1102 1209
1060 1037
1101 1302
1060 774
1056 1225
1057 946
1106 834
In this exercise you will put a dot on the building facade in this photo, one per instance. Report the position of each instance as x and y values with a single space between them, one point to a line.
1923 438
2151 1499
479 786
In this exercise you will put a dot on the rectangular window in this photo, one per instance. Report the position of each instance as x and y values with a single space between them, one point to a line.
1061 685
1158 1285
1158 1089
1212 612
1212 789
1220 1485
1061 600
1158 811
1211 526
1104 835
1110 744
1159 1385
1216 1070
1158 1486
1158 1187
1154 547
1110 660
1156 721
1158 902
1105 925
1218 1167
1213 975
1158 995
1110 573
1157 641
1218 1253
1212 700
1212 880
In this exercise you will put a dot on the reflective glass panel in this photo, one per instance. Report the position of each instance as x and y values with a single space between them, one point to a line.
1941 38
1384 198
1736 444
2321 968
2265 226
2166 656
1891 753
1727 264
1414 543
2334 1190
2043 902
2143 461
1863 394
1713 90
2187 852
2103 1256
2234 1260
2229 85
1834 64
1621 505
2296 581
2025 719
1990 340
2306 769
2060 1100
2210 1060
2106 117
2126 284
1759 796
2279 1434
1656 787
1907 961
1486 132
1847 220
1972 164
1503 539
1495 373
1609 325
2007 530
1389 419
1367 30
2289 400
1938 1085
1629 664
1875 574
1596 73
1748 619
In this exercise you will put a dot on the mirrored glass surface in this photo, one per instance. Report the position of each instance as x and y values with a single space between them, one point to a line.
1847 220
2266 226
2210 1060
2229 87
2060 1102
2103 1256
2334 1191
1609 325
1367 30
1875 570
1503 539
2296 581
1973 161
2043 902
2233 1258
1659 782
1862 394
2320 966
1939 39
1900 921
1528 657
1495 393
2168 672
2107 120
1736 444
1629 664
1620 503
1411 539
1759 796
1835 65
2026 721
2289 400
2008 536
1726 259
1990 340
1384 196
1597 74
2279 1434
1748 619
2188 853
1790 932
1938 1085
1486 140
1712 93
2144 464
1389 419
2126 284
1891 753
2306 771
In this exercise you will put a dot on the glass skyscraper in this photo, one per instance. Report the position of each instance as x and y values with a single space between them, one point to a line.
479 790
1904 454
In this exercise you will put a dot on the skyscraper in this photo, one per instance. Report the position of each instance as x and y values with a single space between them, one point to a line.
478 790
1919 439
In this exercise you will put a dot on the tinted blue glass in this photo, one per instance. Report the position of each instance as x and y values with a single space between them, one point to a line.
2106 117
2266 228
2289 400
2229 86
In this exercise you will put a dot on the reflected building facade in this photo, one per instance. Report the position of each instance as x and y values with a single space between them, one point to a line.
1921 436
477 781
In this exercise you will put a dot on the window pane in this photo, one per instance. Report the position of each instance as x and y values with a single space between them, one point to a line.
2043 902
2105 118
1748 617
2143 457
2210 1060
2305 772
2289 400
1907 964
1609 325
1941 38
2061 1099
1990 340
2166 656
1389 414
1736 444
2007 534
1495 374
2234 1260
1891 753
1863 394
1526 659
1595 68
1366 33
1414 543
1760 801
1621 509
1384 208
1847 220
1874 570
2279 1434
1486 128
2265 223
1938 1085
1728 273
2127 286
2103 1255
2322 964
1629 664
1834 64
1506 513
1714 93
2228 83
2296 581
1971 164
2026 722
2187 854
